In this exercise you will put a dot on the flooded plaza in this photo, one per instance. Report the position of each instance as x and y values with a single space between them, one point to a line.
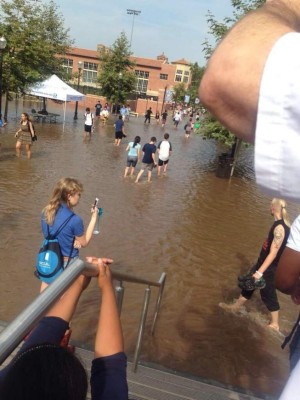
199 229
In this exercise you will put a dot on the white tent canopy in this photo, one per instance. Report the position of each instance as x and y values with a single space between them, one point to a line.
54 88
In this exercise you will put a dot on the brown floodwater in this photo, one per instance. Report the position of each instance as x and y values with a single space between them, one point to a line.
199 229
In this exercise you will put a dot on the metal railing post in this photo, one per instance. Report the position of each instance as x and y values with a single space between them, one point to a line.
15 332
162 281
141 329
119 290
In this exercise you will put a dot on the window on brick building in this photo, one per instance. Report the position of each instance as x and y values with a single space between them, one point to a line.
68 66
185 79
90 72
142 81
178 78
163 76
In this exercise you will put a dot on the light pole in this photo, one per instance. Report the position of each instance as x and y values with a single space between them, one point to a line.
2 47
133 13
119 93
80 65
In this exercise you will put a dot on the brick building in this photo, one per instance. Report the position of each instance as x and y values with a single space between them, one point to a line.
155 77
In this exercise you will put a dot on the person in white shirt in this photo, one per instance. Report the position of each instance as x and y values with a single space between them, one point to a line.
251 85
164 151
104 115
88 124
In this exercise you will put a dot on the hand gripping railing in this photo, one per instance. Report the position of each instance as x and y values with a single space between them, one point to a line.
14 333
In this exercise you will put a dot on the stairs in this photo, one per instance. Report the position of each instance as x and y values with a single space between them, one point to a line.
153 384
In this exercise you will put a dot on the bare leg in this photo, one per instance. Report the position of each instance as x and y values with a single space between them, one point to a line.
132 171
126 172
158 170
44 285
28 149
149 176
18 149
274 320
139 175
165 168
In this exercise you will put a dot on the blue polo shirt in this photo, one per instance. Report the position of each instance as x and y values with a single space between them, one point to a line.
73 228
119 125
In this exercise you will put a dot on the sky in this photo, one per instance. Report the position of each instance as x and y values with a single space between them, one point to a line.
176 28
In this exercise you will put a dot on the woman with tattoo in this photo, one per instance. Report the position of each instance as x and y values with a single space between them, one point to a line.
266 265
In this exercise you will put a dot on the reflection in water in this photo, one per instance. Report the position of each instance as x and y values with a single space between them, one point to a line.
201 230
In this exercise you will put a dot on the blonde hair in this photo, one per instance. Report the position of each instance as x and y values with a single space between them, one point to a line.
63 188
280 206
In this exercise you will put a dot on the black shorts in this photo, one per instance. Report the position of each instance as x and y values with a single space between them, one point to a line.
131 161
161 162
119 135
88 128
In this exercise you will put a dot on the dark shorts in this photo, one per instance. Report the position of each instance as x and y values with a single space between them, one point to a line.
119 135
149 167
88 128
98 112
161 162
131 161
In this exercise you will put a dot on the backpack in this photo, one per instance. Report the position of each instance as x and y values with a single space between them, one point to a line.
34 137
50 261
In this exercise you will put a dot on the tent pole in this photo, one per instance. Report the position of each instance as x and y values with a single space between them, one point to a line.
65 104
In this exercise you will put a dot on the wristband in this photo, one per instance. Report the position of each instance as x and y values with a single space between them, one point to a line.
259 273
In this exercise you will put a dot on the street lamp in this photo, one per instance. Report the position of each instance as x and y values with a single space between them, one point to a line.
133 13
80 65
3 43
119 93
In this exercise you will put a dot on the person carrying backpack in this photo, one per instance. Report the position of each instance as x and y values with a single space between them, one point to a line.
89 123
58 218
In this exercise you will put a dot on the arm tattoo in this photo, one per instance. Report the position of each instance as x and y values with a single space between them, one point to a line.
278 236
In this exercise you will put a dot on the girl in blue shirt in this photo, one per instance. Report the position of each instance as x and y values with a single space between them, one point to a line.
134 150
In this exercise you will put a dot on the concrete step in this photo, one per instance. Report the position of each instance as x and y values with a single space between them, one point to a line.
154 384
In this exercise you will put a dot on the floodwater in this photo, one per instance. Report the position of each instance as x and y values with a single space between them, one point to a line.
199 229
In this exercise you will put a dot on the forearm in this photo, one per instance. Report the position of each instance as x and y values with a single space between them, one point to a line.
266 264
90 229
109 337
230 86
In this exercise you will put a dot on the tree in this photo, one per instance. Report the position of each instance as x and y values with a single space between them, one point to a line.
196 76
212 128
117 78
35 36
178 93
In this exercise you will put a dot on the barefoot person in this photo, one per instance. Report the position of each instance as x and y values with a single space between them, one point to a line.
164 149
267 263
148 161
134 151
24 135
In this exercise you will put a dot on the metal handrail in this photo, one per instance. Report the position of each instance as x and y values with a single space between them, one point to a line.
15 331
120 295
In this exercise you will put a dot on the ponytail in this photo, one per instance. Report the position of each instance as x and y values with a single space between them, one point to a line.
137 140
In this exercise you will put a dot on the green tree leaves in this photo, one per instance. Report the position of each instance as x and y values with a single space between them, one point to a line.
117 78
35 35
